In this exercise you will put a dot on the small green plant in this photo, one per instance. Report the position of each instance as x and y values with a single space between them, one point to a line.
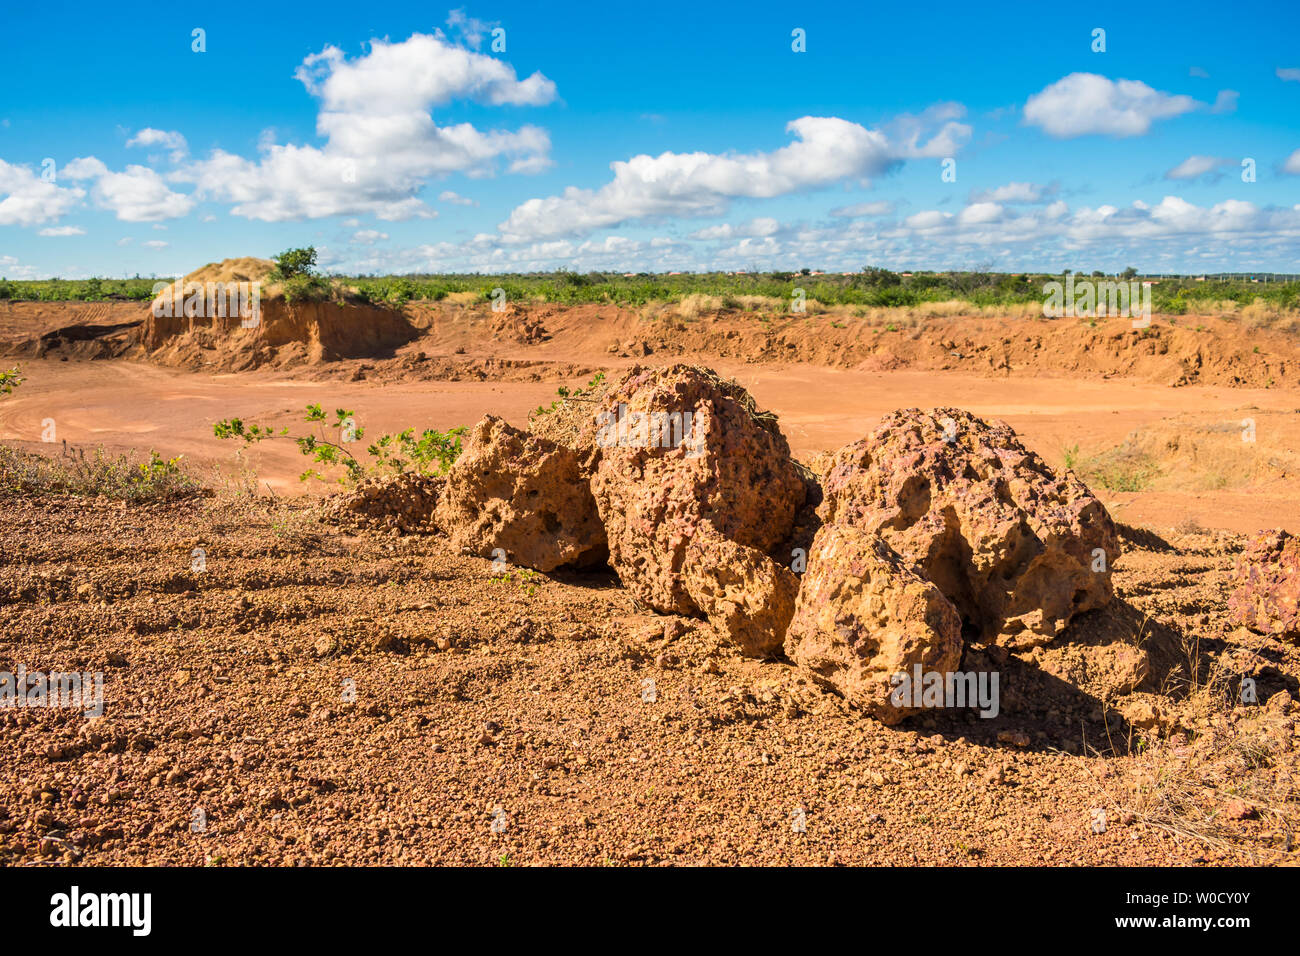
1072 457
526 579
578 394
9 380
431 453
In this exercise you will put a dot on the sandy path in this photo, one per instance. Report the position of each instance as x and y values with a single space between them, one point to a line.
124 404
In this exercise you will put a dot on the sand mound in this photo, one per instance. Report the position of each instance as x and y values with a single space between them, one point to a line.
229 317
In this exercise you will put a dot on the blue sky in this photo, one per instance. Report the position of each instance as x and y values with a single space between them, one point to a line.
394 137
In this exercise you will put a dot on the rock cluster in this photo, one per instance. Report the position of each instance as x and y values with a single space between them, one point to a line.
935 530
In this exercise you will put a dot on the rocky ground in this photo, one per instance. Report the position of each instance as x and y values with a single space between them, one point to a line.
327 696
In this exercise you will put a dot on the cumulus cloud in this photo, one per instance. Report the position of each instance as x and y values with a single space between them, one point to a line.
1287 73
381 141
1194 167
1172 235
763 226
170 140
864 210
62 231
1015 193
456 199
155 244
11 268
137 194
27 199
1292 164
826 150
369 236
1086 103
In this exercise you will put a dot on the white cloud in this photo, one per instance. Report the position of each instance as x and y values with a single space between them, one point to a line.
1172 235
1200 72
369 236
382 143
155 244
1014 192
1292 164
827 150
28 200
763 226
137 194
1288 74
863 210
168 139
1225 102
11 268
62 231
470 29
455 198
1085 103
1194 167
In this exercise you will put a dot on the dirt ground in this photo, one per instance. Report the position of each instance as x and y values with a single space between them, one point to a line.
323 695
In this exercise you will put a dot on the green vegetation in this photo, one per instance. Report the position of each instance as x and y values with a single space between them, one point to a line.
430 453
297 277
9 380
294 262
119 477
79 290
578 394
871 287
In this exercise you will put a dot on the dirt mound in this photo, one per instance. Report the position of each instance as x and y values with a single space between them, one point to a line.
513 324
400 503
1173 350
226 316
1199 452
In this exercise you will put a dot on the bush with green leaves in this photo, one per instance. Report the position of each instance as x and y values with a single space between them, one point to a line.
431 452
9 380
294 262
583 394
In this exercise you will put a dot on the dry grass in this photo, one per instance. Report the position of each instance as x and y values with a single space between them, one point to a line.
1215 762
121 477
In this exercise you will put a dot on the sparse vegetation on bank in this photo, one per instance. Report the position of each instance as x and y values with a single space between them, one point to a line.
872 288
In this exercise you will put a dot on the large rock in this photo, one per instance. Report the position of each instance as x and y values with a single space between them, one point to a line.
679 448
524 495
1267 585
863 616
746 595
1018 549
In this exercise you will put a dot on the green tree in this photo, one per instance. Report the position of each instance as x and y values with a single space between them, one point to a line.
295 262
